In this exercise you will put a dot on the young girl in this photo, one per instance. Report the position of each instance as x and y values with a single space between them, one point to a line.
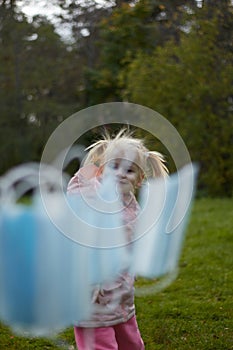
113 324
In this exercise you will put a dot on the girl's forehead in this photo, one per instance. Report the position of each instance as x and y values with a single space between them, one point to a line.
130 154
124 163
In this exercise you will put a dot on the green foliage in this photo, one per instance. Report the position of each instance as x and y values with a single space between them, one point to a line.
172 56
37 85
191 85
195 311
130 28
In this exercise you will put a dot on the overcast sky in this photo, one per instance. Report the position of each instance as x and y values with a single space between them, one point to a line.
50 11
40 7
43 7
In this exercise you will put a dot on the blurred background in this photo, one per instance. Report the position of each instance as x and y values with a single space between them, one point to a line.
176 57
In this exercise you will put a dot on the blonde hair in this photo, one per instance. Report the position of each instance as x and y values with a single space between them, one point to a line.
150 163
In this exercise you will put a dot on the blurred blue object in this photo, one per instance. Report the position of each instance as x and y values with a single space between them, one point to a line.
17 266
44 287
51 254
97 226
160 232
53 251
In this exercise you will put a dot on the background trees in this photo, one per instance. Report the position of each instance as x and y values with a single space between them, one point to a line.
192 84
172 56
38 81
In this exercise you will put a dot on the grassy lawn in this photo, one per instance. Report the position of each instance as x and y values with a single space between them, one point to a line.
195 311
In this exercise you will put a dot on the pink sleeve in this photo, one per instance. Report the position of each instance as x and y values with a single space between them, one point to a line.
82 178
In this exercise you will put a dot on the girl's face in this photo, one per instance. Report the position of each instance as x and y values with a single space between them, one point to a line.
126 173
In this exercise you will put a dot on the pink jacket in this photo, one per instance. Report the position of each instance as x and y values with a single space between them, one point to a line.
113 302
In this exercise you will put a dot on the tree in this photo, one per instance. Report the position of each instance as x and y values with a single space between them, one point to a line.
12 45
38 80
191 84
132 27
84 17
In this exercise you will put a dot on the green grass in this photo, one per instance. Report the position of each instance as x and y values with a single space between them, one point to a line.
196 310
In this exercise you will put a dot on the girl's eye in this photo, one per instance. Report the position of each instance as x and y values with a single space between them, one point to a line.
113 165
130 171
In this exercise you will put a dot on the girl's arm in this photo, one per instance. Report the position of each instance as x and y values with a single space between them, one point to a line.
82 178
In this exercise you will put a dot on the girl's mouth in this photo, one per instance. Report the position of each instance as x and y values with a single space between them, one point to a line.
123 181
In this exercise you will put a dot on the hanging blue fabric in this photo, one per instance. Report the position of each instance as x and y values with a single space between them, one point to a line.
52 252
97 225
160 231
43 289
17 265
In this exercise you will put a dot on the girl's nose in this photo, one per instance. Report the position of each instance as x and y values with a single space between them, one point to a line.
121 173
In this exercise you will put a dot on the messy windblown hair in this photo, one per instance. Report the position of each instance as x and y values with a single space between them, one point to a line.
150 163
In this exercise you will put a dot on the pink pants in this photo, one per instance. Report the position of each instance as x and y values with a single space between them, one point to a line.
123 336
